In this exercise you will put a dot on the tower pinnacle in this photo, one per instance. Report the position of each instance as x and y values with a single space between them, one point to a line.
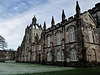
77 8
44 26
52 22
63 15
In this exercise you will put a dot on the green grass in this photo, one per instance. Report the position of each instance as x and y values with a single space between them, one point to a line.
24 68
38 69
78 71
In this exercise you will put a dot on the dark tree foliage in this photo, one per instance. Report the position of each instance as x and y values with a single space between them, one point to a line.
3 43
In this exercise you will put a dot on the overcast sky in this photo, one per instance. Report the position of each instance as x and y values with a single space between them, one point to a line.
15 15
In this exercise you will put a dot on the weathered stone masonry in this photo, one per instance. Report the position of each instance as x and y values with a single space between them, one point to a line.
73 40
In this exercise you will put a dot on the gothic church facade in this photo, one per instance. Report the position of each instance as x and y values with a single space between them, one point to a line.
73 40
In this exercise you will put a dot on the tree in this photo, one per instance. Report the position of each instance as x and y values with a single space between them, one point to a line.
3 44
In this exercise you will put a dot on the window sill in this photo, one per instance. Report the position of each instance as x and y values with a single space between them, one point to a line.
73 60
59 60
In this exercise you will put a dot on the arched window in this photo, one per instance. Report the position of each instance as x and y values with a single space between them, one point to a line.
48 56
48 41
59 56
73 55
72 34
58 39
90 35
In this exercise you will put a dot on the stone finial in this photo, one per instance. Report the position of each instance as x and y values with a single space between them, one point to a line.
40 26
52 22
34 20
44 26
63 15
77 8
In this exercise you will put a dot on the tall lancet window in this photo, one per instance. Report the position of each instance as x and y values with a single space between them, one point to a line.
49 56
59 56
40 47
73 55
58 38
48 41
72 34
90 35
34 49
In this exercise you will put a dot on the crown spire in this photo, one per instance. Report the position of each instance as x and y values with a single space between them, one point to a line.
34 20
52 22
63 15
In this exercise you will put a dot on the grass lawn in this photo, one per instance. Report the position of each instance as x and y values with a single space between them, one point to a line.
78 71
13 68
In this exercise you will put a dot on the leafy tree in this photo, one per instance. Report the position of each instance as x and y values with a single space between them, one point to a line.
3 43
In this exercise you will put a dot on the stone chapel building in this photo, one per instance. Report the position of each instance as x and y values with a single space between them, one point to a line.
73 40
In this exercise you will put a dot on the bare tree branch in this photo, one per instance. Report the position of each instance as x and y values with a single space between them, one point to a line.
3 44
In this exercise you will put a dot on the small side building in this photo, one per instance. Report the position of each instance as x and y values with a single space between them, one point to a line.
7 55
